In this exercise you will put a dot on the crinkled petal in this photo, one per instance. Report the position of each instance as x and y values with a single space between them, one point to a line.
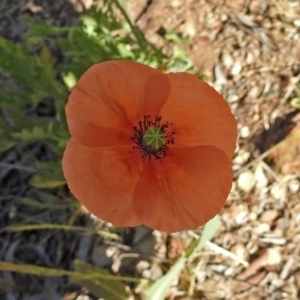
185 190
103 179
200 116
112 97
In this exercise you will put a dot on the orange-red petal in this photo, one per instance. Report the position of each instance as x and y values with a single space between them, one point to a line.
90 135
200 116
185 190
103 179
112 96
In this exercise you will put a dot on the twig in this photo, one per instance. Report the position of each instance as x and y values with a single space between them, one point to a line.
269 169
265 154
227 253
133 28
144 10
290 90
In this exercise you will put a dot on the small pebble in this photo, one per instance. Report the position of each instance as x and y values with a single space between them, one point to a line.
261 229
176 3
249 58
269 216
242 158
227 60
245 132
254 92
246 181
278 192
260 177
236 68
233 98
294 186
224 17
297 22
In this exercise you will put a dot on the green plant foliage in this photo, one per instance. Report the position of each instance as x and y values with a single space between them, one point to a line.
45 67
101 287
158 290
35 71
42 271
50 176
295 102
100 36
32 78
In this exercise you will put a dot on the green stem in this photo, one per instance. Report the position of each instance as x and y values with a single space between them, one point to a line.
136 32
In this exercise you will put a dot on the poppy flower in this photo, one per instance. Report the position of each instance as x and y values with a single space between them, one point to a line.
147 147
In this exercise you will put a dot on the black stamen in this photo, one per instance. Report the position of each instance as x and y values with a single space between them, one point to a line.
147 151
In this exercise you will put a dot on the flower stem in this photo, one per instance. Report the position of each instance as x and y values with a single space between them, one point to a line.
137 33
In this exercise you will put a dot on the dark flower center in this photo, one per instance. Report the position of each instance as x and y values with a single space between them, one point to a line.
152 138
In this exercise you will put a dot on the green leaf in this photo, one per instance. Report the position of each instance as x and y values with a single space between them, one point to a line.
32 134
51 175
46 182
89 25
209 231
43 271
295 102
158 290
105 288
47 59
69 79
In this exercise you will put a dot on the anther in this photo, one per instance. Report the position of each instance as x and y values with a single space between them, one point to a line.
152 138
